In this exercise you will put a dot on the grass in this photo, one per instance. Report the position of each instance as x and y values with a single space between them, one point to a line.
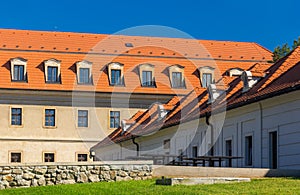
256 186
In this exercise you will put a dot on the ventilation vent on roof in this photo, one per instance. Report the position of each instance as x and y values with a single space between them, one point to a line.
128 45
248 80
162 112
124 126
214 92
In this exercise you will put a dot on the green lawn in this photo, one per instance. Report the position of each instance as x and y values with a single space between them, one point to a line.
257 186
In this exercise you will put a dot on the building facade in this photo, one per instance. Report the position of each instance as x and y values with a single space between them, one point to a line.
253 116
62 93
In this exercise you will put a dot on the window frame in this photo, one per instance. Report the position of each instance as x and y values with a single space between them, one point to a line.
110 117
147 68
10 156
176 69
206 70
11 114
87 118
82 153
249 151
49 152
18 62
205 82
167 144
116 66
44 118
84 65
52 63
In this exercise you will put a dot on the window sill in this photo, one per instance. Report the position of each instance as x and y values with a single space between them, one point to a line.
50 127
48 82
117 85
88 84
146 86
16 126
19 81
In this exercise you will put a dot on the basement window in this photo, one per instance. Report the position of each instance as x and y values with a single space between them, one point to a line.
15 157
82 157
49 157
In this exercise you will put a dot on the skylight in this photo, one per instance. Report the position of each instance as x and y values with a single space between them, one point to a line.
128 44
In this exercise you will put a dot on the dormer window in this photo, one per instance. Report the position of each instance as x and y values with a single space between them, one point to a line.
147 75
18 69
176 73
84 72
115 73
206 79
206 76
52 71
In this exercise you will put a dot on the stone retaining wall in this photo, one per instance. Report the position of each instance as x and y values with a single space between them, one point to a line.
52 174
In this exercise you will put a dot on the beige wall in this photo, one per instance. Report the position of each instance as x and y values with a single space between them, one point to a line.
32 138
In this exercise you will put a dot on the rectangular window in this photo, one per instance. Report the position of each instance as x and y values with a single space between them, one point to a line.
15 157
248 150
19 73
177 80
49 117
82 157
114 119
52 74
167 144
116 77
228 150
16 116
195 151
83 118
206 79
273 149
147 79
49 157
84 75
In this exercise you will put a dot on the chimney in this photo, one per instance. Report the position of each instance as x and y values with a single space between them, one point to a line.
248 80
214 92
162 112
124 126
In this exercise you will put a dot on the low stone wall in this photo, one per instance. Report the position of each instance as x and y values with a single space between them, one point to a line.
188 171
26 175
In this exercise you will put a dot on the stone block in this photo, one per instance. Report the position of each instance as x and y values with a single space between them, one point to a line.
28 176
94 178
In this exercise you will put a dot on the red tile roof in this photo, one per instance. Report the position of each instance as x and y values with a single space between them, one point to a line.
282 77
37 46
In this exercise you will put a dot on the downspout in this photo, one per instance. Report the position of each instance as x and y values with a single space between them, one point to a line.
121 151
137 146
211 136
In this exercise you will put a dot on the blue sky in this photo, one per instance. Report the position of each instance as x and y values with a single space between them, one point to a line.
269 23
